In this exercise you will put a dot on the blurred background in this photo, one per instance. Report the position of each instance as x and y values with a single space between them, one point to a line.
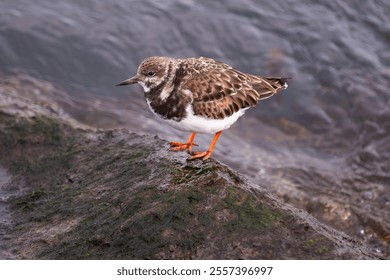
322 145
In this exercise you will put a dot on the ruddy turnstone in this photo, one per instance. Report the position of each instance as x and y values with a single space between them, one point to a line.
200 95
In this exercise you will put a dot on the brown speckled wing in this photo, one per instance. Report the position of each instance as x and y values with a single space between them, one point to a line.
219 90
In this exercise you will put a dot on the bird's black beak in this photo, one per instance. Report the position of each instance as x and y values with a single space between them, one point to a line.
130 81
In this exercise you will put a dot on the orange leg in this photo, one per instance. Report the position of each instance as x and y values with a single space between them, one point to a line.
207 154
178 146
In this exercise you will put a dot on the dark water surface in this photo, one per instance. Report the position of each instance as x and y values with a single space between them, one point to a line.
322 145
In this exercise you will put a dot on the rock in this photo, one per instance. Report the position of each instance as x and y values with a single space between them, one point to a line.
113 194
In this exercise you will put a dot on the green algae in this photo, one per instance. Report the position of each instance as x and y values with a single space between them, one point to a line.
115 199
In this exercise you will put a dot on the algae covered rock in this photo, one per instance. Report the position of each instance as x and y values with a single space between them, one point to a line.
113 194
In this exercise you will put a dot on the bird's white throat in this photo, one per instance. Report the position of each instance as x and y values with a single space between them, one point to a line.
146 88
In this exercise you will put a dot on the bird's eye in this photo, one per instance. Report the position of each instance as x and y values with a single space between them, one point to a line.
151 73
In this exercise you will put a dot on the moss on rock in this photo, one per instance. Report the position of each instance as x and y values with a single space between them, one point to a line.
118 195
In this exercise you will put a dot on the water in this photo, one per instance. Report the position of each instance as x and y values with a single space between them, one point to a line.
322 145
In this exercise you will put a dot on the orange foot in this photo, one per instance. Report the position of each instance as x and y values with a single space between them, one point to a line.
178 146
202 155
207 154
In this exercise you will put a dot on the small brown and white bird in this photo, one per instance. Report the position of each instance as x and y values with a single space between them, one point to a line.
200 95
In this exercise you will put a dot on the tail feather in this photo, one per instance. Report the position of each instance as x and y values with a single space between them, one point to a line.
268 86
277 83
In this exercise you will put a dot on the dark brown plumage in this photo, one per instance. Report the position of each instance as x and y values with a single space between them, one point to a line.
219 90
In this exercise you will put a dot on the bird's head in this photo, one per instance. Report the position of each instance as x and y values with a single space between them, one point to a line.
152 72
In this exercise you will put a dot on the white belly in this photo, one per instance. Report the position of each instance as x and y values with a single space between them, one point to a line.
201 124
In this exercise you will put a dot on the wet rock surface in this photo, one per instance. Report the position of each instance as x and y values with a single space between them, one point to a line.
82 193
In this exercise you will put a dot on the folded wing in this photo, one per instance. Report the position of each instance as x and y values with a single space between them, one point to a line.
219 90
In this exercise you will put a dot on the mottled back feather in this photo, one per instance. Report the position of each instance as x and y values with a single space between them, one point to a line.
219 90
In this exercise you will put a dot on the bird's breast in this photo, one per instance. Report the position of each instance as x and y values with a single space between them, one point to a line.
172 107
